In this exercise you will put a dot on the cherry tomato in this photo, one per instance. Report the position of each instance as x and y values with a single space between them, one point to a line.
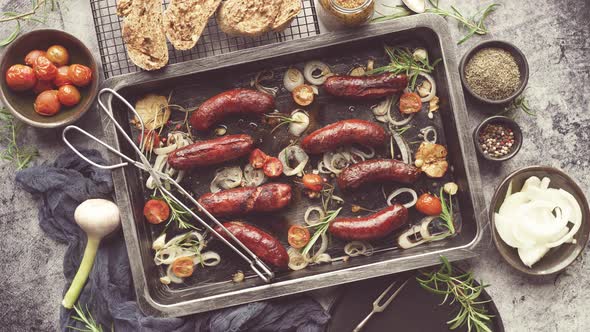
303 95
258 158
58 55
47 103
62 77
313 182
410 103
44 69
298 236
68 95
20 78
32 57
80 75
429 205
43 86
156 211
272 167
183 267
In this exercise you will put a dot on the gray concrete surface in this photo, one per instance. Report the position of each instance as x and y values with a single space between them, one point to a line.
555 36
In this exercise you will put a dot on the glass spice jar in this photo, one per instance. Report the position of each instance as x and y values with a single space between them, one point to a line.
346 13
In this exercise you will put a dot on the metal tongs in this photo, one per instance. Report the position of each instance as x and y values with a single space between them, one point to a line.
256 264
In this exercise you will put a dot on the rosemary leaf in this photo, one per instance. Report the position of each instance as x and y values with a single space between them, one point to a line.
12 36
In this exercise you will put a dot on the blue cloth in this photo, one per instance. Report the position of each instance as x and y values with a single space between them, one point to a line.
109 293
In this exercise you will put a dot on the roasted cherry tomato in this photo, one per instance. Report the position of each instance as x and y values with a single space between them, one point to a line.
303 95
44 69
313 182
58 55
32 57
298 236
429 205
183 267
156 211
410 103
258 158
20 78
47 103
272 167
43 86
62 77
80 75
68 95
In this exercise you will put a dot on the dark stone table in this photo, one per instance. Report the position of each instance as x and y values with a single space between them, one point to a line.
555 36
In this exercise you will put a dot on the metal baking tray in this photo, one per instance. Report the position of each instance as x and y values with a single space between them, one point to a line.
197 80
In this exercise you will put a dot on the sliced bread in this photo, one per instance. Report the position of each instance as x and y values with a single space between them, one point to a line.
143 32
185 20
248 18
287 12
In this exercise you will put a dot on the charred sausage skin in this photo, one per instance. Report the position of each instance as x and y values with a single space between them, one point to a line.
265 246
365 87
371 227
237 101
374 170
236 202
345 132
211 152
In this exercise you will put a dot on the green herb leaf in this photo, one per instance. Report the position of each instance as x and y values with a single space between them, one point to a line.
12 36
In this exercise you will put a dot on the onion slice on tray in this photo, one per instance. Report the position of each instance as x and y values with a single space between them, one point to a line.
293 153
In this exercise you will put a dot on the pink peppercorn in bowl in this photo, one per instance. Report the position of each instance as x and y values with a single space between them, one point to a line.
497 138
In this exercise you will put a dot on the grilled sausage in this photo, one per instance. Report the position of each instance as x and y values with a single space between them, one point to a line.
237 101
366 87
265 246
211 152
371 227
374 170
236 202
344 132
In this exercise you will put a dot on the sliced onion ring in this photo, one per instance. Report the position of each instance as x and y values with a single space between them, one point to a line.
296 260
426 132
293 152
401 191
432 88
312 66
292 79
309 211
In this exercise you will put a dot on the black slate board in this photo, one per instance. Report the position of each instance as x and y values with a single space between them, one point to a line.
413 310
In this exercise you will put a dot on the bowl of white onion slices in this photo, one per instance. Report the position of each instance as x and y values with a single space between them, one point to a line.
540 220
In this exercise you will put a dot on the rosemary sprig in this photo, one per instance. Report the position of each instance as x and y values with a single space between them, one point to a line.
31 15
519 103
283 120
90 325
178 214
447 212
475 24
402 61
460 289
13 151
320 228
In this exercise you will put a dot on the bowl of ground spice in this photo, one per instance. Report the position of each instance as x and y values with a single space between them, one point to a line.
494 72
498 138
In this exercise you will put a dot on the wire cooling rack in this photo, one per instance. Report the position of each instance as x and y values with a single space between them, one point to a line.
212 42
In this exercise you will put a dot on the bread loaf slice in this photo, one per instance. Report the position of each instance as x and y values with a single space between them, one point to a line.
287 12
143 32
248 18
185 20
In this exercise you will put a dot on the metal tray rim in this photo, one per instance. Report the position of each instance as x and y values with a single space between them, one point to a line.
433 22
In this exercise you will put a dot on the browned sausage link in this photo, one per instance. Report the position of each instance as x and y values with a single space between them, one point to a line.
265 246
211 152
237 202
237 101
374 170
366 87
345 132
371 227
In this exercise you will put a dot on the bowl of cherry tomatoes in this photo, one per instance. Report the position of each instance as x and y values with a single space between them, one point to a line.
48 78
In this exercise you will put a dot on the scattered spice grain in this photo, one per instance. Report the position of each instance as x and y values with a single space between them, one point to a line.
493 73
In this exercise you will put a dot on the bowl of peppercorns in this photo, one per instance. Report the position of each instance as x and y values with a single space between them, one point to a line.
497 138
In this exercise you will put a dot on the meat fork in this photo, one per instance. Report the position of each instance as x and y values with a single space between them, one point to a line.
380 307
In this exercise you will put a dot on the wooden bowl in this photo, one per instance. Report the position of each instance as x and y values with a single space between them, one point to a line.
557 258
21 103
521 61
